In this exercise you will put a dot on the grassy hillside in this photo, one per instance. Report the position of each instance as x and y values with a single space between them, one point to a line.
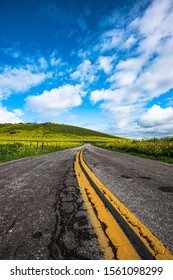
49 132
21 140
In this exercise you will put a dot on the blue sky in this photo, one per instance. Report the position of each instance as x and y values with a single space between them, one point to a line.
105 65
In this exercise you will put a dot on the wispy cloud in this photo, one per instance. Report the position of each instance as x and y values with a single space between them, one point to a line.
17 80
109 40
85 72
82 23
43 63
13 52
50 11
145 73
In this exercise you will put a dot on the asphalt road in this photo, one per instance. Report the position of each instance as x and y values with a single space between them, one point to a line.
42 214
144 186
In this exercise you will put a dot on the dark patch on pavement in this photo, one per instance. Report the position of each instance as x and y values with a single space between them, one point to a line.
145 177
37 234
166 189
126 176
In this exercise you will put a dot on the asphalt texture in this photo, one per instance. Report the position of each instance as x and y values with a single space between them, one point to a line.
43 216
144 186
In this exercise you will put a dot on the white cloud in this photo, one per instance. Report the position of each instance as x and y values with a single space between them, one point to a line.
85 72
109 40
155 26
10 117
157 79
18 112
133 64
105 63
56 101
153 18
144 74
122 78
54 58
158 117
130 42
19 80
43 63
111 98
54 61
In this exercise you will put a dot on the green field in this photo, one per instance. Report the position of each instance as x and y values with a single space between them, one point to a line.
49 133
22 140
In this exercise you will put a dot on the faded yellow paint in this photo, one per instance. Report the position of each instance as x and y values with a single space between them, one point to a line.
157 249
106 228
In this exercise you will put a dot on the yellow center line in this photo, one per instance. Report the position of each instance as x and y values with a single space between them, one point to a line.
113 241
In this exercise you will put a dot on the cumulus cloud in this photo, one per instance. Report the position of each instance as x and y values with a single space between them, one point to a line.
19 80
10 117
157 117
56 101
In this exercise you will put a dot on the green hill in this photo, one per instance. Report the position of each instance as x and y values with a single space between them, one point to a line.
50 132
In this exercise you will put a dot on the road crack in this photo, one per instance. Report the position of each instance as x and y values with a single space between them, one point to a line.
72 235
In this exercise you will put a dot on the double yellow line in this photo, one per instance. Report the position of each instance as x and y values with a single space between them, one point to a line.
120 234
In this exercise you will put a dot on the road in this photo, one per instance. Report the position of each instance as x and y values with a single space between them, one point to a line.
144 186
42 213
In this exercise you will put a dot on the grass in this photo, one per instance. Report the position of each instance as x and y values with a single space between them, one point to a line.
19 150
49 133
156 149
22 140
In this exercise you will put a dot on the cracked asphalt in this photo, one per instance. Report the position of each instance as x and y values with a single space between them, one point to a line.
43 216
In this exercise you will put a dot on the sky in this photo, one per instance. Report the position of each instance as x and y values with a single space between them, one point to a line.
105 65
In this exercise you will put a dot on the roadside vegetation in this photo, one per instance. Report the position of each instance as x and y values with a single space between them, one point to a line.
20 150
157 149
23 140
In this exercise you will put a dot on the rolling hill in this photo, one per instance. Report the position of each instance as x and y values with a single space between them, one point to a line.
50 132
